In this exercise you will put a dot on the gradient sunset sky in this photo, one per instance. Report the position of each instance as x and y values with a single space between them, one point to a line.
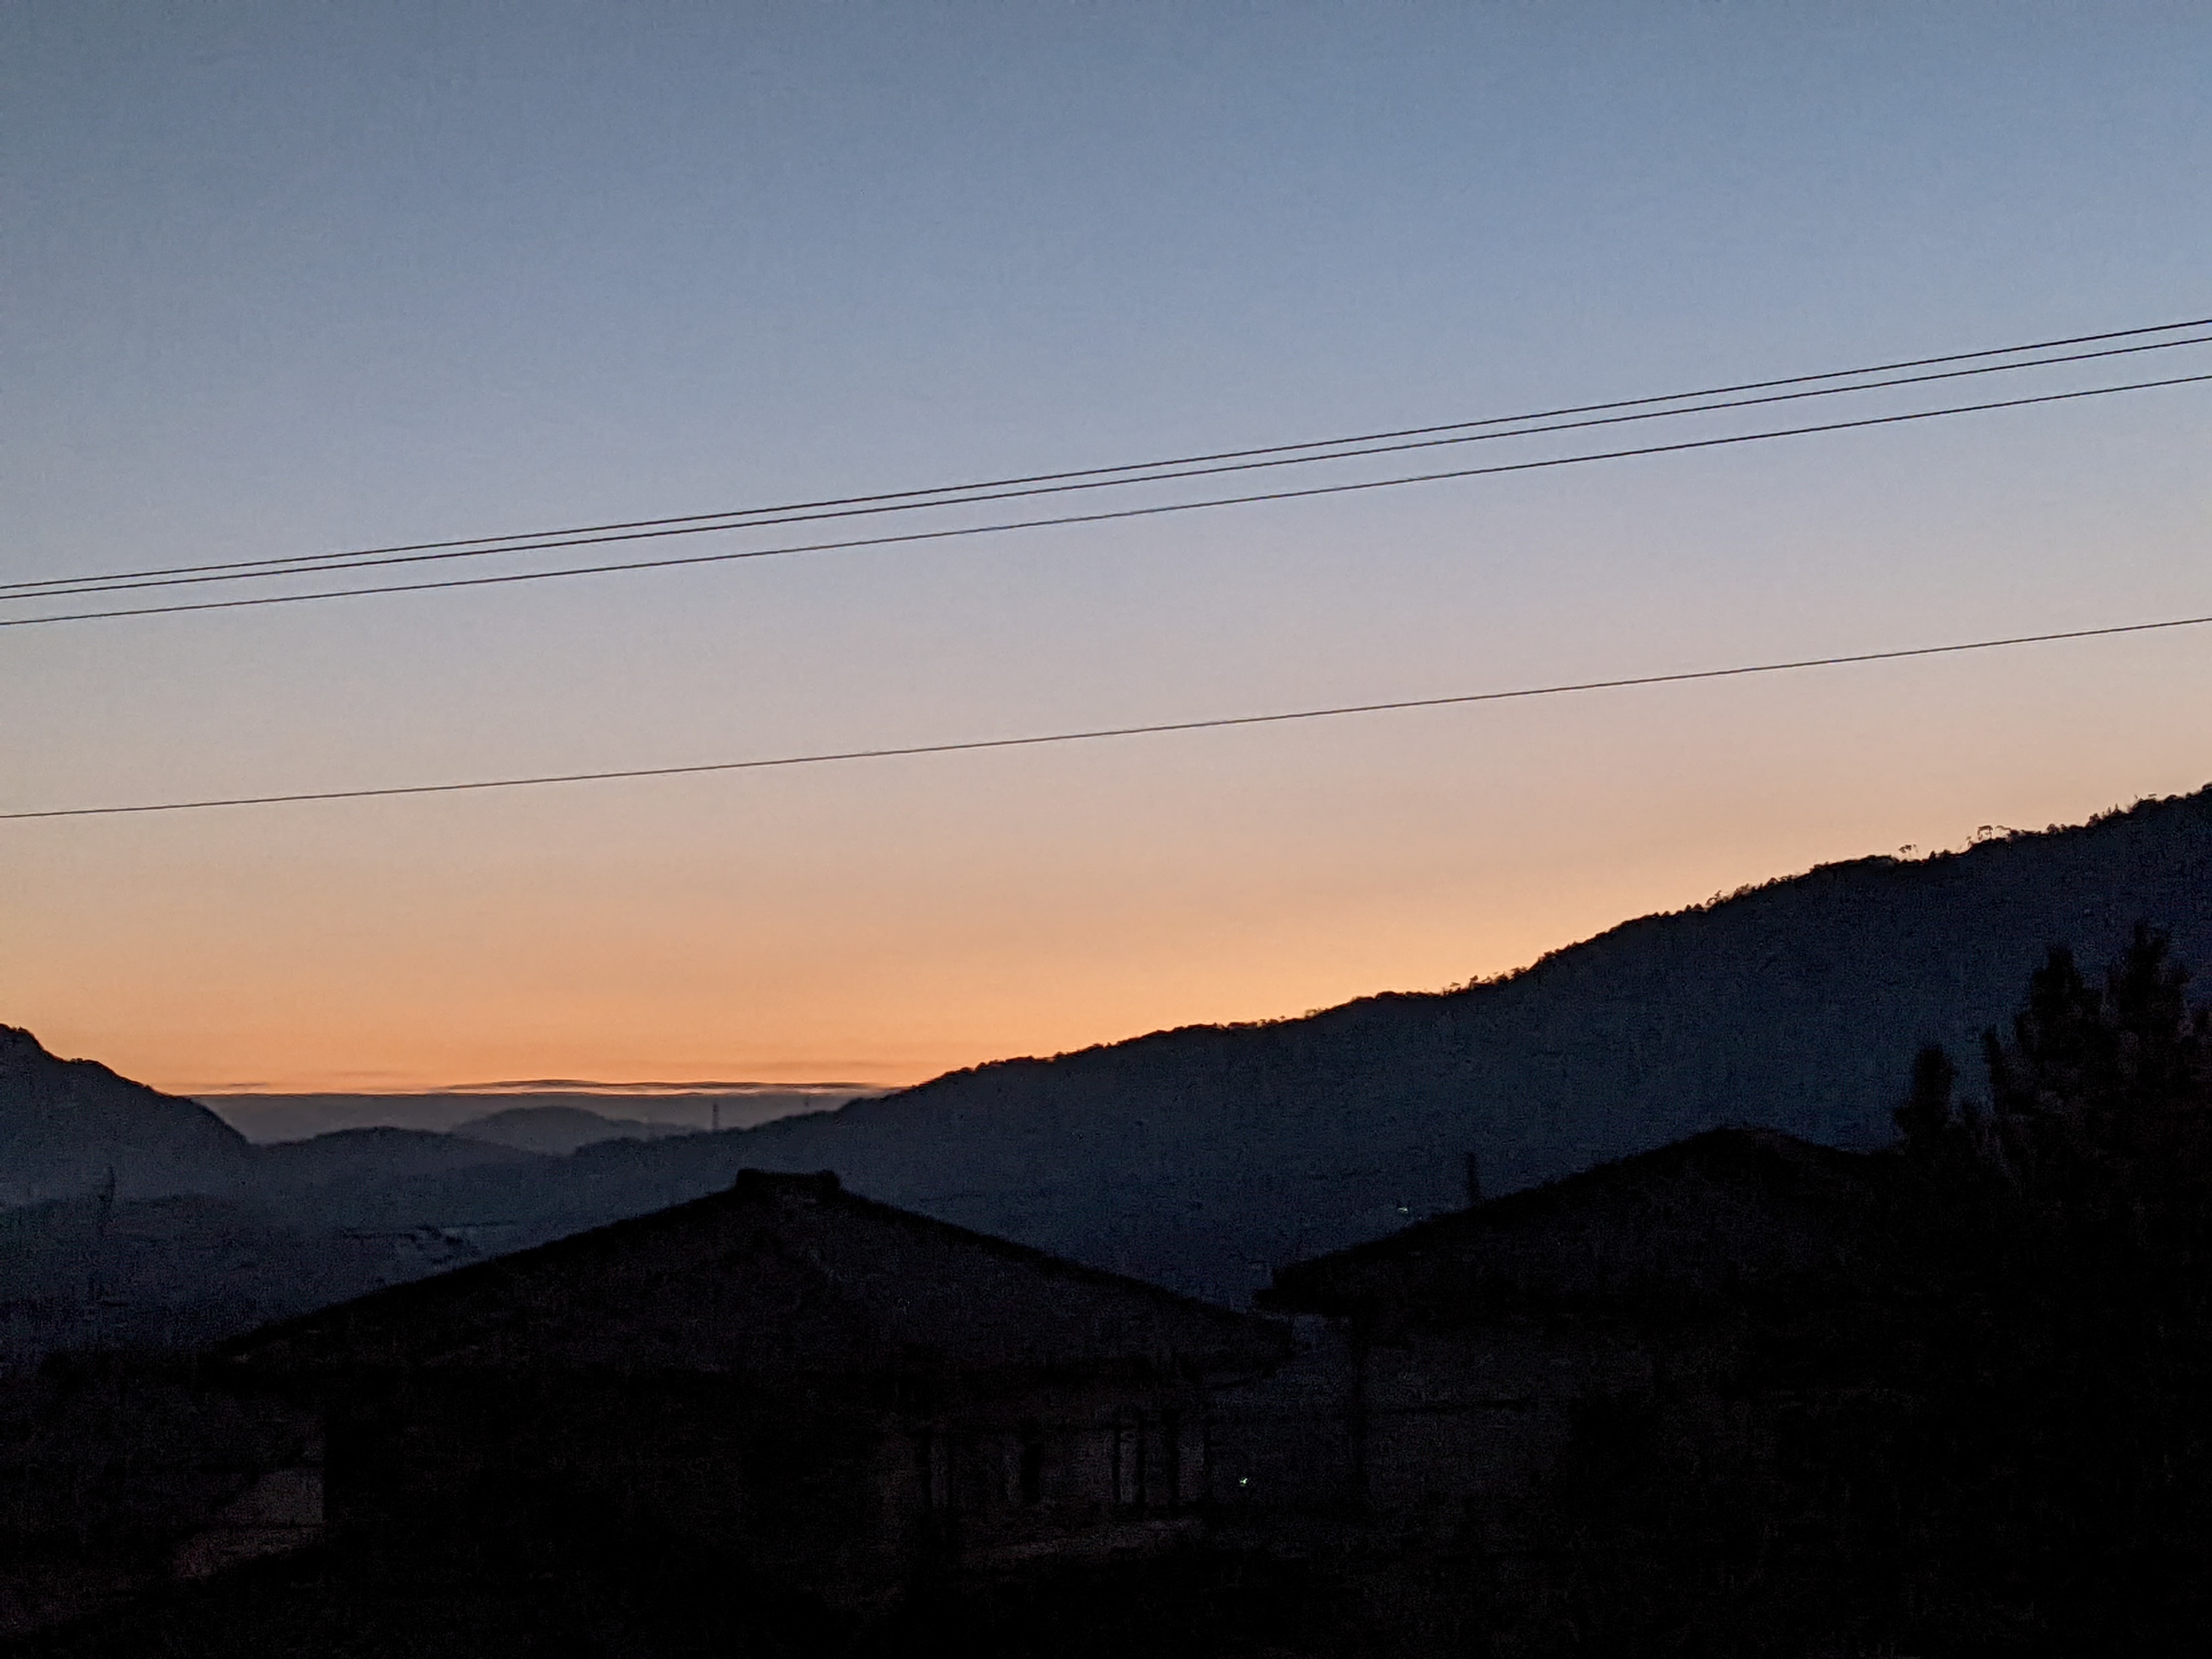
290 278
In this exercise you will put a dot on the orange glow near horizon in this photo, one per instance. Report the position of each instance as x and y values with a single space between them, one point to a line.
1066 901
287 281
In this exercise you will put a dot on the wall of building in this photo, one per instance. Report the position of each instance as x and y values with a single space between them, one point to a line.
1067 1470
1459 1430
850 1499
1284 1442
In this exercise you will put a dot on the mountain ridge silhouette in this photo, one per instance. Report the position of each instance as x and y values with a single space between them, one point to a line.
1795 1003
1205 1157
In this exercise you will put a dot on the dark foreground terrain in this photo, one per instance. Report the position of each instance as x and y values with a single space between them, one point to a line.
1947 1398
606 1600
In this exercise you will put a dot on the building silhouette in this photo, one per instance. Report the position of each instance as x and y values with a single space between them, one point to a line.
818 1391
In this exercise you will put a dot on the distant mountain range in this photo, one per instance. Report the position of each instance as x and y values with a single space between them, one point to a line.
130 1217
558 1129
1202 1158
653 1107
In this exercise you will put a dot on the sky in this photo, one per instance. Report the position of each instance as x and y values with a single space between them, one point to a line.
294 278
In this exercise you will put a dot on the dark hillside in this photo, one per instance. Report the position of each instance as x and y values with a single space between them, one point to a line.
297 1173
66 1125
1201 1157
175 1273
556 1129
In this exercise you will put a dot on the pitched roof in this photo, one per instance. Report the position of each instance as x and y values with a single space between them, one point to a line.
780 1274
1722 1212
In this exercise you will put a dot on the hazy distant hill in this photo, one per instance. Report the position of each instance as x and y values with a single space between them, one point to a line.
66 1124
558 1128
264 1118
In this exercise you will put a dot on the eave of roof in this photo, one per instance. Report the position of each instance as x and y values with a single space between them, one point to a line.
419 1301
1317 1285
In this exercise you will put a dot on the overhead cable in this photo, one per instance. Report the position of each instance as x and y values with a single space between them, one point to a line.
1107 477
1096 733
1101 517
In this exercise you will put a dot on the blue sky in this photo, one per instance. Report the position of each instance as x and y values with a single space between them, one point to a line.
288 278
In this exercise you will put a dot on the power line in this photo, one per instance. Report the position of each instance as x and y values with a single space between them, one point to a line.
1093 734
53 588
1101 517
307 564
